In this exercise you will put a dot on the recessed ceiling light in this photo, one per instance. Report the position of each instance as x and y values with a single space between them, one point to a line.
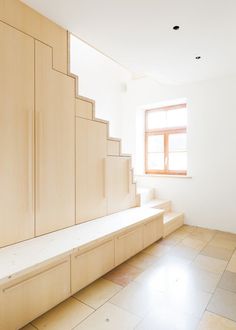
198 57
176 27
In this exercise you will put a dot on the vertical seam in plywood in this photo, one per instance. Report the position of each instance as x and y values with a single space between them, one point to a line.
75 161
34 156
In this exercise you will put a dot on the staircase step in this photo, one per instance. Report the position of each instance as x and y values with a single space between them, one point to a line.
159 204
84 109
172 221
113 147
146 194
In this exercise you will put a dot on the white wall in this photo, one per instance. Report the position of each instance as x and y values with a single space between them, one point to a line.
102 80
208 198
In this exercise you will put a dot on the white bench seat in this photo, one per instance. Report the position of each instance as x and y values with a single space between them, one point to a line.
76 256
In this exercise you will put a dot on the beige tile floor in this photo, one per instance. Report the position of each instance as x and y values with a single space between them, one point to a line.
186 281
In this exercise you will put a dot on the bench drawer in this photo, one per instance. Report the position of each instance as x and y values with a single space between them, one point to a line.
152 231
128 244
88 266
26 298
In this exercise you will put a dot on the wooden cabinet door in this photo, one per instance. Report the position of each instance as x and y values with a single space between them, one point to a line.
55 145
153 230
26 298
128 244
88 266
16 135
118 184
91 143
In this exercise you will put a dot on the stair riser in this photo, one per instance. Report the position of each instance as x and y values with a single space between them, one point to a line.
173 225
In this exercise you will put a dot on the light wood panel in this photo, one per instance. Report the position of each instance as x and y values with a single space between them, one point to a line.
91 146
28 297
113 148
153 230
88 266
16 135
55 145
84 109
19 258
24 18
118 184
36 274
128 244
172 221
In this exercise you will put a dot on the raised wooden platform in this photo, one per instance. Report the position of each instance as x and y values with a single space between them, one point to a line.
37 274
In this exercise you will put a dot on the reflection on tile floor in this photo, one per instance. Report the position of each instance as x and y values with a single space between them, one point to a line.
186 281
123 274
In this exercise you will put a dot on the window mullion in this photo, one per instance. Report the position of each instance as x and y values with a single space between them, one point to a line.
166 151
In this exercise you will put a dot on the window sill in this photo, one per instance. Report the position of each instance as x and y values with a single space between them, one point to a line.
172 176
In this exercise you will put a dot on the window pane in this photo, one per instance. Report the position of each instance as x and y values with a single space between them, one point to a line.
155 143
156 119
155 161
176 118
178 161
178 142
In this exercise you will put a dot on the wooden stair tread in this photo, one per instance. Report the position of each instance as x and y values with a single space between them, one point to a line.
154 203
20 257
172 221
171 216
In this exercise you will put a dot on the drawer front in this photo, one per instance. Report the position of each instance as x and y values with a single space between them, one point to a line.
25 299
128 244
89 266
152 231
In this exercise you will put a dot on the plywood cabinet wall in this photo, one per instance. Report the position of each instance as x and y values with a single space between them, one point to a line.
55 170
37 140
55 145
16 135
118 184
103 183
31 295
91 138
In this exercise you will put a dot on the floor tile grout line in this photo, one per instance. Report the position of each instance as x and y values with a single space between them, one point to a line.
227 318
121 308
221 274
108 300
211 294
203 248
83 320
83 302
206 309
126 310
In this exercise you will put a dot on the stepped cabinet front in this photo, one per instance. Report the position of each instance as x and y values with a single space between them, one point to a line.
58 167
55 141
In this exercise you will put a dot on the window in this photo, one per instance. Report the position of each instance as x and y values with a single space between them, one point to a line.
166 140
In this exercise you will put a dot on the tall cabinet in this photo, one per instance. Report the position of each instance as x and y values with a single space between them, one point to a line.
54 167
118 181
55 145
16 135
91 149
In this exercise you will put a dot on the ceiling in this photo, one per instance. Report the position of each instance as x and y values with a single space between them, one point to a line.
139 34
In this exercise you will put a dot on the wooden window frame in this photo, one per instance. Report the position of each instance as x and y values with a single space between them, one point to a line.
166 132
